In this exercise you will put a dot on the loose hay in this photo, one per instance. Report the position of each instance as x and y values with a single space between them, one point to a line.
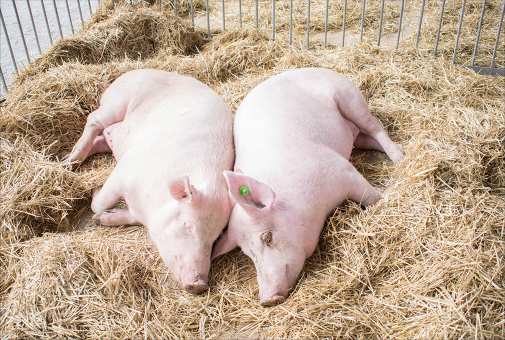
425 262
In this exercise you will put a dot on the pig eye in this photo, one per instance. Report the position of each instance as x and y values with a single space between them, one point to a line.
267 238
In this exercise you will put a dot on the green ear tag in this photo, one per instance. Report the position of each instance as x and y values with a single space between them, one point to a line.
244 191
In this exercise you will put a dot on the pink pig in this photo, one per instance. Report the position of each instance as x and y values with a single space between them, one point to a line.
172 137
294 135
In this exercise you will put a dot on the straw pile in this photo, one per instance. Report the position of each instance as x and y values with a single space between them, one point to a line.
425 262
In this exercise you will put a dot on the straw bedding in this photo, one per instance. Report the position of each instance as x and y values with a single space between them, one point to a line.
427 261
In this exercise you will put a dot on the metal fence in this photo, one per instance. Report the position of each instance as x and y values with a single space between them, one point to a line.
29 27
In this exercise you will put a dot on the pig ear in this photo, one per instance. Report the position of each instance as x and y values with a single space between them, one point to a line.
226 243
248 192
181 189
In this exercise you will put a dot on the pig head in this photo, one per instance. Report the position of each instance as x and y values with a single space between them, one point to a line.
294 134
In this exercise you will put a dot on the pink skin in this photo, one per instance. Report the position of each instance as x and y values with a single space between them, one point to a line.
294 135
172 138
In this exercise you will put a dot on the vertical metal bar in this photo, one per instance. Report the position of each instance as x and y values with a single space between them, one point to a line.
90 11
3 79
420 23
273 19
21 30
80 11
459 31
208 20
192 13
478 32
380 23
308 22
240 12
70 17
33 24
498 35
290 22
400 25
343 23
362 20
47 22
439 27
256 2
326 24
8 41
175 7
57 18
222 6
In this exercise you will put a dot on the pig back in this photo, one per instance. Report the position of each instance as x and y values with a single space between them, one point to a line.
296 110
179 127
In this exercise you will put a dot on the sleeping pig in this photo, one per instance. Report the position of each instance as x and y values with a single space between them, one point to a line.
172 138
294 134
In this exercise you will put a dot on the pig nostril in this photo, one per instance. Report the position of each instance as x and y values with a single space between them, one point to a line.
195 288
274 301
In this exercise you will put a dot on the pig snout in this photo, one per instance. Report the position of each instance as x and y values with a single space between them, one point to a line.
196 287
275 300
273 293
194 281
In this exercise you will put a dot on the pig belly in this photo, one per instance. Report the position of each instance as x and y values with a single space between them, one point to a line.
110 135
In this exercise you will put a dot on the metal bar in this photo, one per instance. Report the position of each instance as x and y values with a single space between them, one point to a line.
47 22
90 11
208 20
308 22
362 20
400 25
420 23
273 19
498 35
57 18
21 30
70 17
256 2
8 41
3 79
380 23
80 11
439 27
240 13
459 32
290 22
326 24
343 23
33 24
488 70
478 32
192 13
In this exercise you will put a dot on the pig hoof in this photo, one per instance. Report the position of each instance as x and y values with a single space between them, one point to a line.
274 301
195 288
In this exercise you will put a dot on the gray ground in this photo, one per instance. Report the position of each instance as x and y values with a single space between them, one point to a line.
9 22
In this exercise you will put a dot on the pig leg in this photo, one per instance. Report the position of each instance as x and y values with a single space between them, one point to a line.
115 217
362 192
355 109
104 200
364 141
99 146
110 112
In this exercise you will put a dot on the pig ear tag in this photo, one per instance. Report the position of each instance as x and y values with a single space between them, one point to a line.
244 190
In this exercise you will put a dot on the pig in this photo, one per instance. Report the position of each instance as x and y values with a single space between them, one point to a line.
172 137
294 134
